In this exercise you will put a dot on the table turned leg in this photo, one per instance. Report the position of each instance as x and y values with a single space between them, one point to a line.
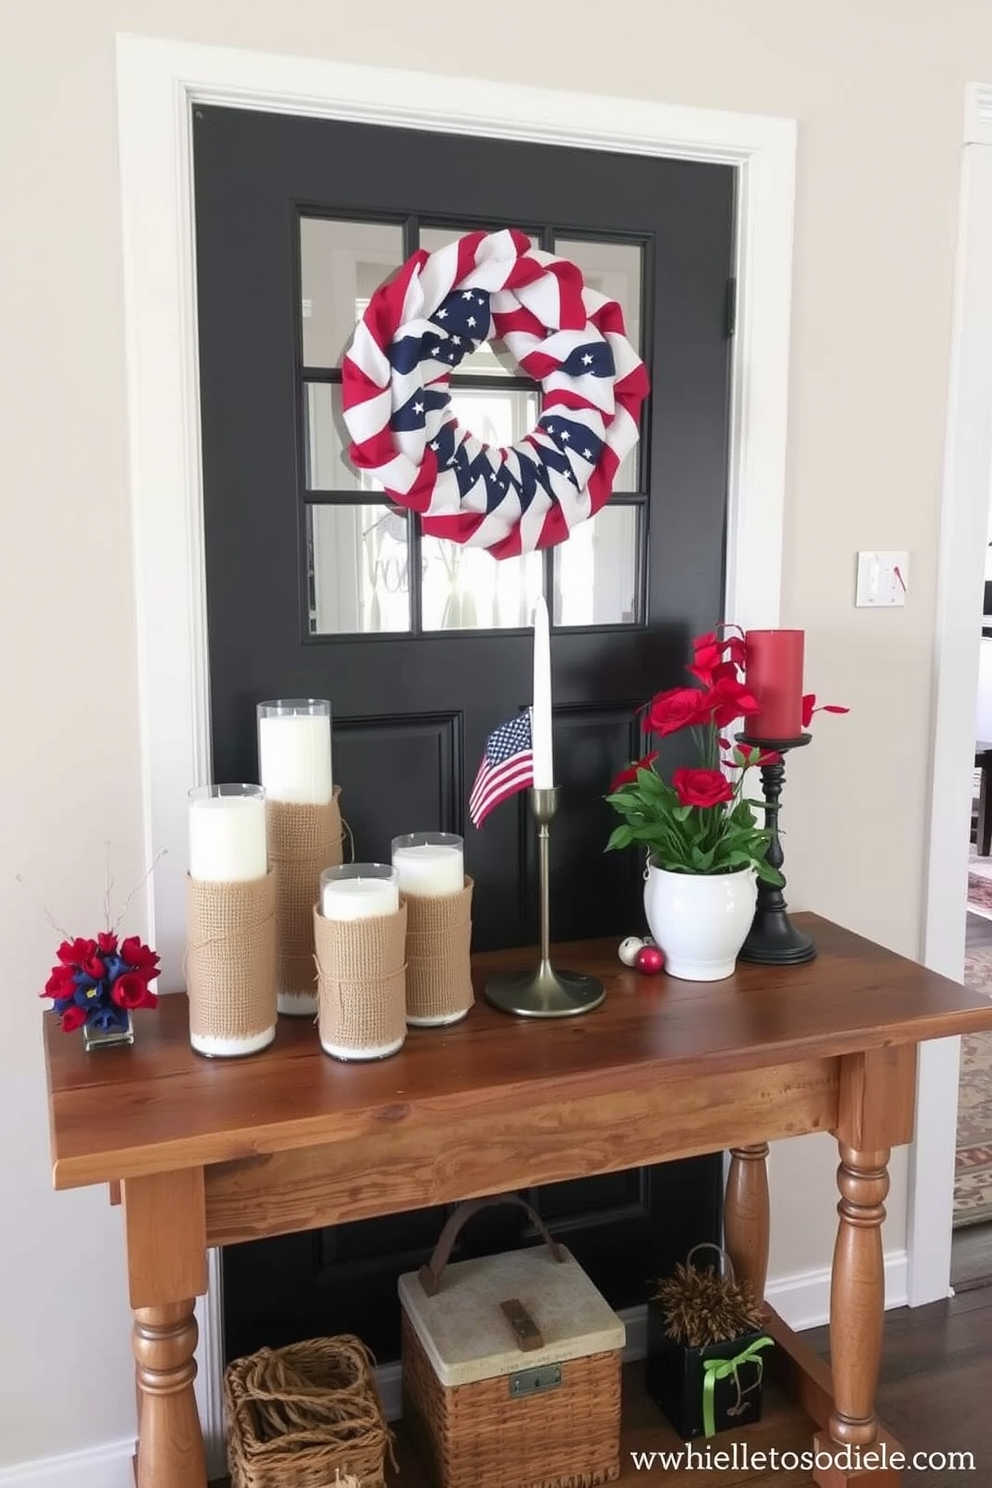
857 1294
170 1442
165 1221
745 1216
875 1113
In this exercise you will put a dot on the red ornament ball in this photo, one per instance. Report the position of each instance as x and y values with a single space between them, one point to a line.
650 960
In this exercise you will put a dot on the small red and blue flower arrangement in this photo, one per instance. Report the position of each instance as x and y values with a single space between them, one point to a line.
96 983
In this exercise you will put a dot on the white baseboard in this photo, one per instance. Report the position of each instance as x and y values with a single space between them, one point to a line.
802 1299
107 1466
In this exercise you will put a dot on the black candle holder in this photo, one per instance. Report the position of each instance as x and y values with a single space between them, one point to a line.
773 940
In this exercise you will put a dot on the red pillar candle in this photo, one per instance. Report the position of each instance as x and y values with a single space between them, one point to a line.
773 671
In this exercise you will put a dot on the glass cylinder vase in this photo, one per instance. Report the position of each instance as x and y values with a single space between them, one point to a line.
294 750
230 922
431 869
360 938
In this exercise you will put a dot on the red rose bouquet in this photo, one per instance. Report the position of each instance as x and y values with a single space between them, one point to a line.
701 822
98 982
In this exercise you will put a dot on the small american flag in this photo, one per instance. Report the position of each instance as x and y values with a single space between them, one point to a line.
507 766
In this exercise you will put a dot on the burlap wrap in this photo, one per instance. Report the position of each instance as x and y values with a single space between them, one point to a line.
231 957
438 951
303 841
361 980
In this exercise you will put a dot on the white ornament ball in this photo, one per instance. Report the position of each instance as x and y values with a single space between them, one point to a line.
629 949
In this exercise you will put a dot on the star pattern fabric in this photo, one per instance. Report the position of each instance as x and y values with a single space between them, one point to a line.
421 325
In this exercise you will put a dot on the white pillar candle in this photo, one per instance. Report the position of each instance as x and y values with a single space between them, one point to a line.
227 834
294 750
358 898
358 891
540 719
429 863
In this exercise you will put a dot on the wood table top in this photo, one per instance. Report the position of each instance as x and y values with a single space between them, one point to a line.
157 1106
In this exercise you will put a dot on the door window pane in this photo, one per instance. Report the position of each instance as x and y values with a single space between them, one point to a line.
326 440
615 270
358 570
467 589
497 416
492 358
342 264
596 570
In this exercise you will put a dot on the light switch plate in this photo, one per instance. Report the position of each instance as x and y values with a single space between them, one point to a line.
883 579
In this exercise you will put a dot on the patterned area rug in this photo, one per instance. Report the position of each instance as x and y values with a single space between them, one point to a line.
980 885
980 895
973 1167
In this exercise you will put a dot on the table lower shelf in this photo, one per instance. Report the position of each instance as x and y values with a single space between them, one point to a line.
783 1426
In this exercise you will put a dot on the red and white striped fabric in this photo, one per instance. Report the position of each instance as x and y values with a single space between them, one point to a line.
436 310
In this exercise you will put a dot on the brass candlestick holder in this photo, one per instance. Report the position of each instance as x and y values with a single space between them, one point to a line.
545 992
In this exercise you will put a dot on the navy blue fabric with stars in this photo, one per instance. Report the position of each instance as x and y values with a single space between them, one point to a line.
464 320
508 739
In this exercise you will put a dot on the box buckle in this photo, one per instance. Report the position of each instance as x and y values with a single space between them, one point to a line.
535 1381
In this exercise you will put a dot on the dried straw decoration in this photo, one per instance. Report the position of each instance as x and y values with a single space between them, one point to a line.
701 1308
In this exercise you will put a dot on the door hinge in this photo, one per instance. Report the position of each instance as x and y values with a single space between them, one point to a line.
730 308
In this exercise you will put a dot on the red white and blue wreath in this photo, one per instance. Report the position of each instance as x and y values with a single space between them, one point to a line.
419 325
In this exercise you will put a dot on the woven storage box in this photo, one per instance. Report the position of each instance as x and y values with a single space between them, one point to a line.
305 1416
494 1403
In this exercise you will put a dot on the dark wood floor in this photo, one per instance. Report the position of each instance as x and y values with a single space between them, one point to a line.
971 1257
936 1383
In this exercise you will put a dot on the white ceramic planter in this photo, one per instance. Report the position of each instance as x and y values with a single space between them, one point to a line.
700 921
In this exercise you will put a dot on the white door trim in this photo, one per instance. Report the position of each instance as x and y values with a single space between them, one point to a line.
964 527
157 80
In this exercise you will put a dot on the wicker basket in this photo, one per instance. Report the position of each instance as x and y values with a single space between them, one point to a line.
489 1412
305 1416
479 1436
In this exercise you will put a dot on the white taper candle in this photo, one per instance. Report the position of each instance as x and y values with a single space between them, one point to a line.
540 722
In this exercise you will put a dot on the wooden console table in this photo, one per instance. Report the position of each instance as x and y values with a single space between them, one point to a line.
212 1152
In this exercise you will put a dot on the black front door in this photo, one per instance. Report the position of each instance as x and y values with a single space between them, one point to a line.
319 588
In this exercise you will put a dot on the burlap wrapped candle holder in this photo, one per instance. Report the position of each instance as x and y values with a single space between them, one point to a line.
303 840
361 984
438 957
231 965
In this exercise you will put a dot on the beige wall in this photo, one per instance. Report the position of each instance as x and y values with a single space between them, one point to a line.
877 86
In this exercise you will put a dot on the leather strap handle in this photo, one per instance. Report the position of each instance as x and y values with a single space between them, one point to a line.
430 1274
525 1330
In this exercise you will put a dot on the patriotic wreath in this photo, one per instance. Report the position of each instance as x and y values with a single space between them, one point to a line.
420 324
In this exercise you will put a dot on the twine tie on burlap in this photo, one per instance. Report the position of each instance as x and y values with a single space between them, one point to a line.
361 980
303 840
230 957
438 951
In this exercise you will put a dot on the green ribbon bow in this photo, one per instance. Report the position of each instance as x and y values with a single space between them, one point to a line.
718 1369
